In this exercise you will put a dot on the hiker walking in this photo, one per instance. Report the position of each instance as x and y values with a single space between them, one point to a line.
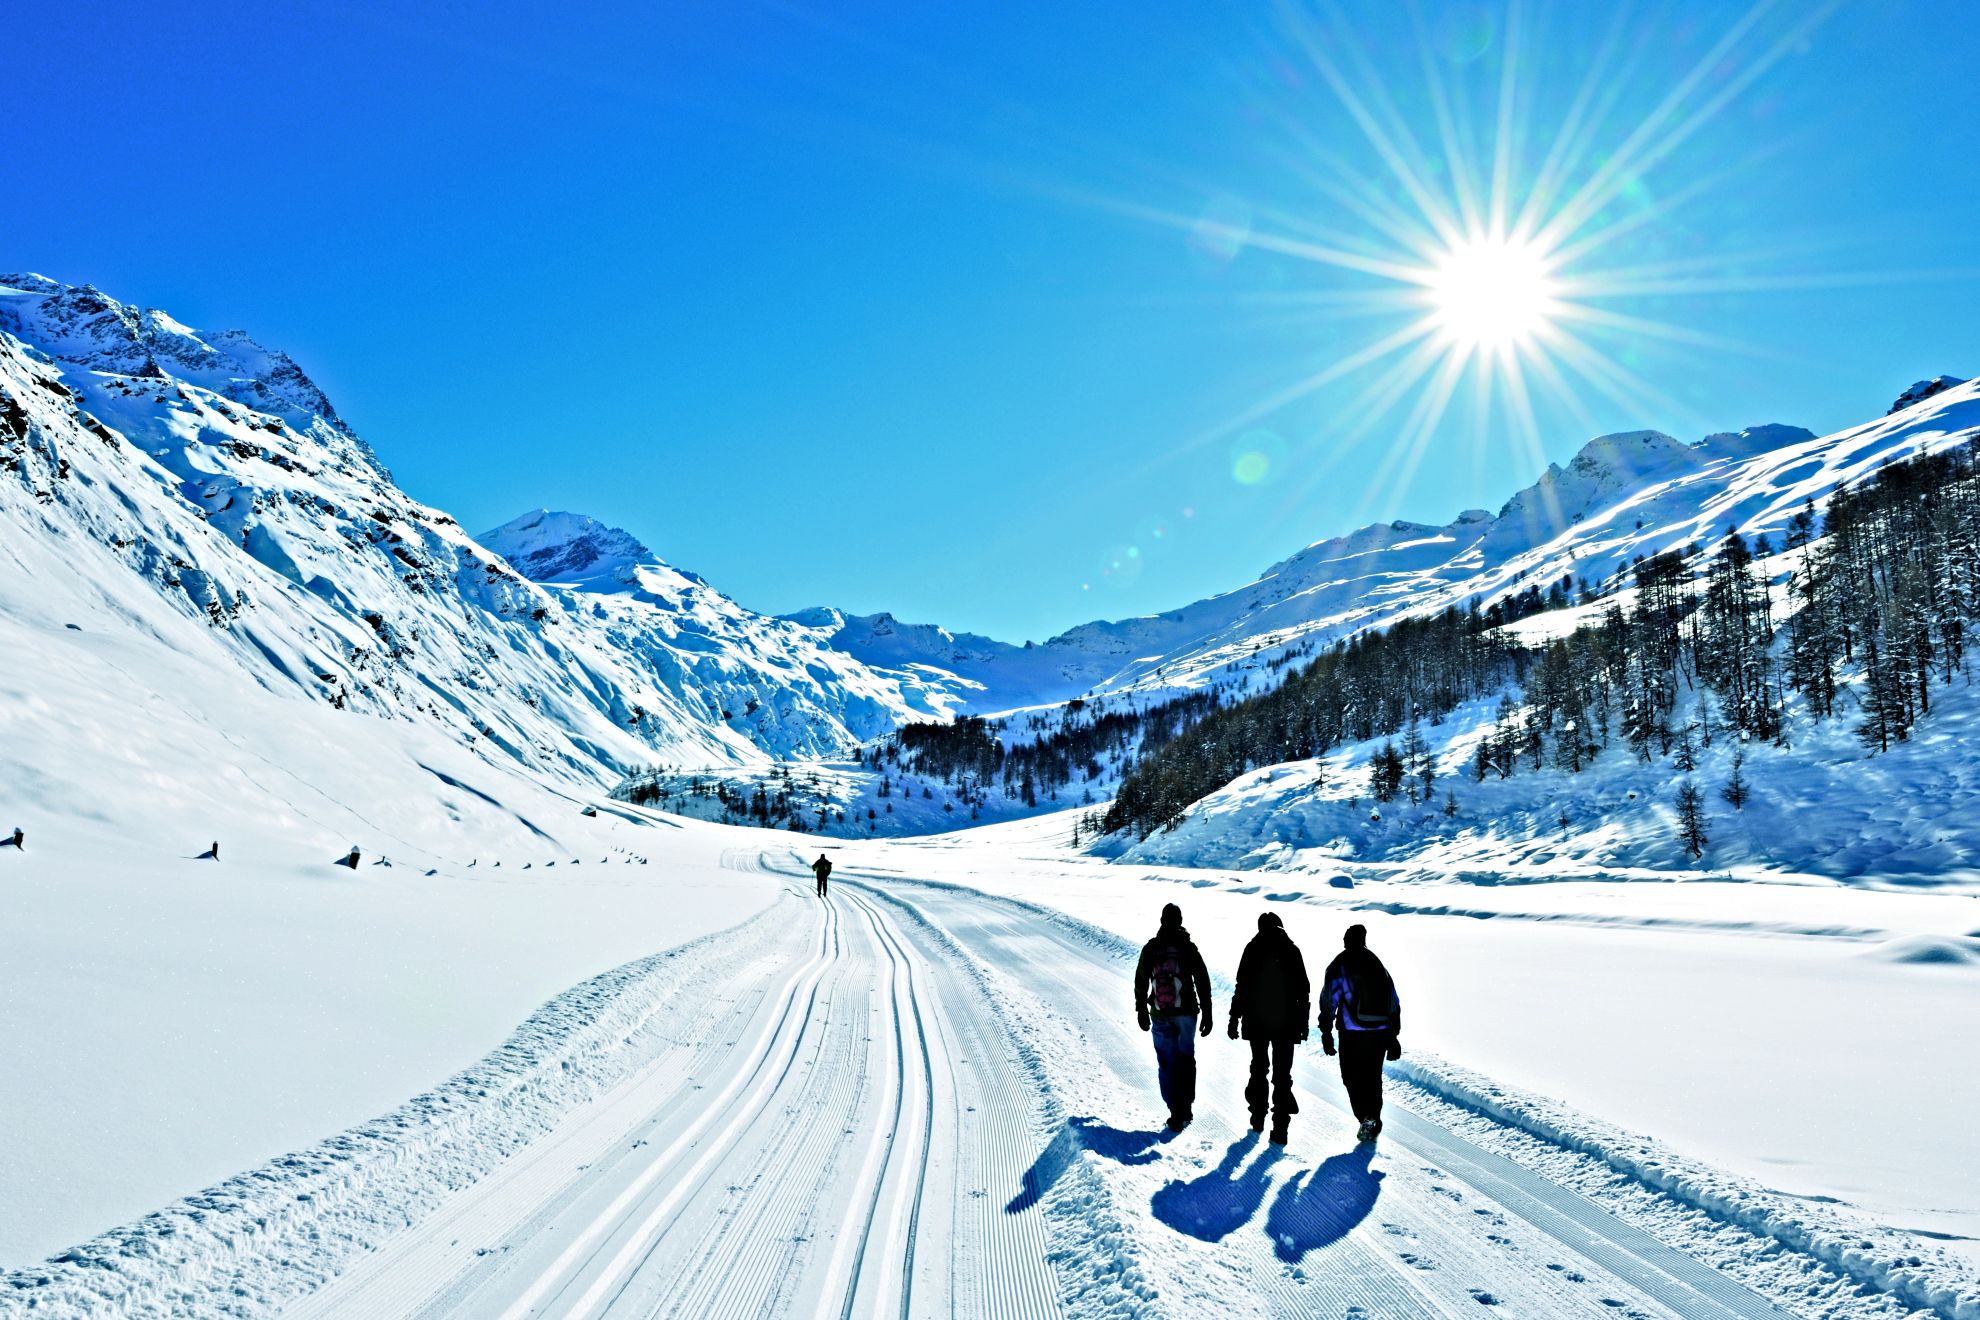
1269 1009
1360 996
14 840
1171 985
822 868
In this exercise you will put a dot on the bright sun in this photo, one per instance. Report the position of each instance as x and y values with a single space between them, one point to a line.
1492 293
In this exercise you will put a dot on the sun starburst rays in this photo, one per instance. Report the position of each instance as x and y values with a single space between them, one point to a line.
1476 251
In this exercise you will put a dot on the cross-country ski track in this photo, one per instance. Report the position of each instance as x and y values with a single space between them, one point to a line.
912 1098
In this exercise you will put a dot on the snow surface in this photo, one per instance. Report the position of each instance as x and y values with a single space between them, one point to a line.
919 1096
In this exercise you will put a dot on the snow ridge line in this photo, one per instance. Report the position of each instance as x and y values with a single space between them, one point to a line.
1085 1227
272 1234
1885 1259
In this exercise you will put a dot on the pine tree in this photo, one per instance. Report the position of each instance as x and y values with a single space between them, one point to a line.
1385 773
1687 755
1735 789
1691 818
1418 772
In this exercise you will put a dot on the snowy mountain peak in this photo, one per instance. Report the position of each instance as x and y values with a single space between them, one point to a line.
82 325
1625 451
549 546
1921 390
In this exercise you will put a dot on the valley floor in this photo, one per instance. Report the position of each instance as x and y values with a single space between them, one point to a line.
925 1095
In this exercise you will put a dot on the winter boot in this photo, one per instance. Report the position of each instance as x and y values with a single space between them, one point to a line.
1258 1121
1369 1127
1279 1132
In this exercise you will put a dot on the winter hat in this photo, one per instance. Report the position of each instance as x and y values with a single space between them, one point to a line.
1171 915
1356 937
1270 920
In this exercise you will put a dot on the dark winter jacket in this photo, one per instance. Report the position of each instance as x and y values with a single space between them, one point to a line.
1273 996
1358 994
822 867
1172 955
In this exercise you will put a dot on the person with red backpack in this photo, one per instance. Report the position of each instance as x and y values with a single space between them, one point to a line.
1171 986
1359 994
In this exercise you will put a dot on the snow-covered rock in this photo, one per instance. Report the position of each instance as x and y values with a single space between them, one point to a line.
1921 390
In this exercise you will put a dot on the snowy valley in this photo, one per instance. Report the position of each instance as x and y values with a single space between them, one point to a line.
394 932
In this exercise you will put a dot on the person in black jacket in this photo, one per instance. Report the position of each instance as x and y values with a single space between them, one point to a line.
822 868
1269 1007
1171 985
1360 995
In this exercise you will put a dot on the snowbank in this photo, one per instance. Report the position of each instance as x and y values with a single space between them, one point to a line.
1879 1257
271 1234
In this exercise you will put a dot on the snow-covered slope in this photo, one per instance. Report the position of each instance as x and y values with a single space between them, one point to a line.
1624 495
165 483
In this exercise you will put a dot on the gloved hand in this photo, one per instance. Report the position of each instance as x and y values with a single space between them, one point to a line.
1327 1041
1232 1030
1141 1016
1395 1049
1204 1030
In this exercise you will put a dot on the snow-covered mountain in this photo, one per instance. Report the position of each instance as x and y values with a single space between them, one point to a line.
1621 496
198 490
191 489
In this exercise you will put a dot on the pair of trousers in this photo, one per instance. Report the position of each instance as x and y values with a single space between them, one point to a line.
1361 1071
1273 1058
1175 1062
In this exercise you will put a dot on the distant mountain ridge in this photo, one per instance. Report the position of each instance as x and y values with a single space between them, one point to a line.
148 464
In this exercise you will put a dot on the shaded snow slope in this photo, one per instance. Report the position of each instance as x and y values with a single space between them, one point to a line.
152 475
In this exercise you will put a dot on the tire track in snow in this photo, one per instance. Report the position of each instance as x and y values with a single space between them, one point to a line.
706 1131
903 974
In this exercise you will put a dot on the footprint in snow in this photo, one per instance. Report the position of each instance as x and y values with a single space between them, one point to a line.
1415 1261
1483 1298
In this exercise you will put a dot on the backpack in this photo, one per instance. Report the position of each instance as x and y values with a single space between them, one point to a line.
1167 982
1371 995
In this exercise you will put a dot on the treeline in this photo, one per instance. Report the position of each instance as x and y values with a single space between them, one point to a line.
777 802
1076 744
1884 587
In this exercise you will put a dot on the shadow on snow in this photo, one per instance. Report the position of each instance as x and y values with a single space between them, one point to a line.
1221 1201
1312 1209
1323 1205
1077 1134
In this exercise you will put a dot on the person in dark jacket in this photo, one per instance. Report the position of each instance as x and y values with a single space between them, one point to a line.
1171 986
1359 996
822 868
1269 1008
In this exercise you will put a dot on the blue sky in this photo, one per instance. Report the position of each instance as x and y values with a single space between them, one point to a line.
947 309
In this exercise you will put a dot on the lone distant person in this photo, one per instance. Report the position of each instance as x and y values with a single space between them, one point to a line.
822 868
15 840
1171 985
214 851
1270 1006
1360 995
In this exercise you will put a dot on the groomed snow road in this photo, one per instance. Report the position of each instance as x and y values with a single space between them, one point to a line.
923 1101
908 1099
